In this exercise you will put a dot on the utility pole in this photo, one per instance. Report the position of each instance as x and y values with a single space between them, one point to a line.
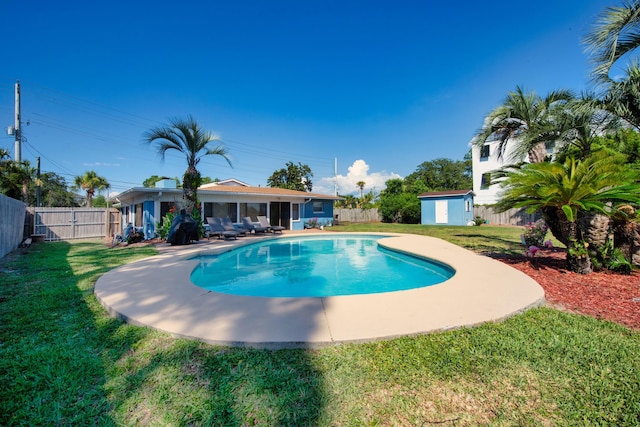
17 127
16 130
38 183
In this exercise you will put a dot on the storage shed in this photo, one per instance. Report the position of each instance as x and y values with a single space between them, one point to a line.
446 207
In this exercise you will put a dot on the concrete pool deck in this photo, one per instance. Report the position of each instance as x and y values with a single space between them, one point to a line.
157 292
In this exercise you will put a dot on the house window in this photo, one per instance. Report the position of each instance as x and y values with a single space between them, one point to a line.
484 152
318 207
467 205
221 210
253 210
486 181
295 211
138 214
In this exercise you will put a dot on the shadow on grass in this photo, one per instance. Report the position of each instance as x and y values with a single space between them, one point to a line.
52 363
64 361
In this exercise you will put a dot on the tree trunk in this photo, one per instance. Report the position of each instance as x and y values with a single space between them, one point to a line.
569 234
594 228
558 224
538 153
626 237
190 184
579 264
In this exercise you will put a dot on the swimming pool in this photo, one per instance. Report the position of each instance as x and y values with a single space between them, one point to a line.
157 292
316 267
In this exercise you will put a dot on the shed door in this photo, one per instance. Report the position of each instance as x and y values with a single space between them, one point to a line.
442 212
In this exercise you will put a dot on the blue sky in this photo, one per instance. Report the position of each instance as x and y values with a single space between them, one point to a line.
380 86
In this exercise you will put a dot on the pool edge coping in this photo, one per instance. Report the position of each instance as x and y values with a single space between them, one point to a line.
316 322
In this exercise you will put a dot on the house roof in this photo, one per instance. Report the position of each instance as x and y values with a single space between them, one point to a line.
230 181
449 193
265 191
230 190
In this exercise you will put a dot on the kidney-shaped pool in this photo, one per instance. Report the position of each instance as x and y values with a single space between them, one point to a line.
316 267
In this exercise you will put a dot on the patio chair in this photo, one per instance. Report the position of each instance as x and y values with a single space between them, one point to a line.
217 229
273 228
230 226
253 226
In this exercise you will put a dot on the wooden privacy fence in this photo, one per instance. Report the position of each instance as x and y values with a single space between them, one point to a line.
357 215
73 223
510 217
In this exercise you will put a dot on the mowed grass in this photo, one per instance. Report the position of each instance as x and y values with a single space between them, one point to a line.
64 361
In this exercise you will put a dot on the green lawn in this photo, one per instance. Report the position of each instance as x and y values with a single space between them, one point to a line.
64 361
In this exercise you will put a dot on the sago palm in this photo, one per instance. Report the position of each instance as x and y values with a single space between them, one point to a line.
186 136
564 192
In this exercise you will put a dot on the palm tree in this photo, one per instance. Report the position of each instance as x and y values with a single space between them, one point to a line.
90 182
187 137
360 185
577 126
622 97
616 33
567 192
524 121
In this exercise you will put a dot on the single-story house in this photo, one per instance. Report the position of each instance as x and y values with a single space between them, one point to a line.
446 207
144 207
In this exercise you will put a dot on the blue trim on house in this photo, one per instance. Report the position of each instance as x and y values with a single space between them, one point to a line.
315 211
148 219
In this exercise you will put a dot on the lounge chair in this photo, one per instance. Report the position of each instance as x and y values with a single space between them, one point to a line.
273 228
254 227
216 229
230 226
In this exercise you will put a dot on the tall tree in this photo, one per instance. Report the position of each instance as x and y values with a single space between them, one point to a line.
622 97
90 182
187 137
397 204
615 34
566 192
577 126
54 192
360 185
440 175
522 121
15 177
294 177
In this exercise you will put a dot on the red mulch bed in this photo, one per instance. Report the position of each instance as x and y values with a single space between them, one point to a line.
601 294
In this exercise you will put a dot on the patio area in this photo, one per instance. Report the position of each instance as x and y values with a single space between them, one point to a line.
157 292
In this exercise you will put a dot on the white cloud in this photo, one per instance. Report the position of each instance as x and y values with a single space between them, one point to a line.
358 171
98 164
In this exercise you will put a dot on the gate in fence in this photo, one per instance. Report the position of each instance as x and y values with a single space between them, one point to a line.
73 223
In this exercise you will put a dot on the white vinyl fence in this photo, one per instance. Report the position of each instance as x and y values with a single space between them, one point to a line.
74 223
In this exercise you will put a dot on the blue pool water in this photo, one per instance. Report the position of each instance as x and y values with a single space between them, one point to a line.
315 267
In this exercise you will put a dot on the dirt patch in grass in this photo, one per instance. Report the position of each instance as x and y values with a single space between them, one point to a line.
516 395
602 294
